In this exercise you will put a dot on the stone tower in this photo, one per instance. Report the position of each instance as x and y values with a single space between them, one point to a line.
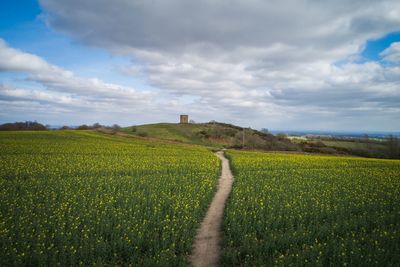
184 119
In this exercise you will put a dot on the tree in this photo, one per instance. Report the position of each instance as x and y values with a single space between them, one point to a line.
97 125
83 127
116 127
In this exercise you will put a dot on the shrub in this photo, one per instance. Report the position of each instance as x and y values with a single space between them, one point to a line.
142 134
83 127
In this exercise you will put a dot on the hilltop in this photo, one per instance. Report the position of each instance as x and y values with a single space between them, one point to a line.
212 134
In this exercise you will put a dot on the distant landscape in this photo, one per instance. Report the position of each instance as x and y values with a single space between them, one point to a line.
223 135
348 134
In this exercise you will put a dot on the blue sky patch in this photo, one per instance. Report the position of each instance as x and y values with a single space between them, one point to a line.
375 47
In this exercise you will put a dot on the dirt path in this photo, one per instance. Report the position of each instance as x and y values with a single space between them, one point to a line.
206 247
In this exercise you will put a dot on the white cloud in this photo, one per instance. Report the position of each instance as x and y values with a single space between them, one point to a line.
392 53
62 87
14 60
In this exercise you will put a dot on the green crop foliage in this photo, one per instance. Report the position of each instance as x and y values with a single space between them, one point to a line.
79 198
296 210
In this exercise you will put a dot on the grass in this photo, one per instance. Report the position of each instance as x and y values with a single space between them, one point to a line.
354 145
373 148
216 135
168 131
185 133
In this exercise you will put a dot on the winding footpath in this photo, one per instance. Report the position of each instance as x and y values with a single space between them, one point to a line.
206 247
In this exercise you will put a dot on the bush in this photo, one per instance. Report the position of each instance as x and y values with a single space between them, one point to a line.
116 127
97 125
83 127
203 134
142 134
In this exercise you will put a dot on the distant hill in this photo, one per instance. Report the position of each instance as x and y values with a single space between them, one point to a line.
223 135
214 134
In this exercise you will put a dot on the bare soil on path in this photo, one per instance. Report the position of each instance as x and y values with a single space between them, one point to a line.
206 247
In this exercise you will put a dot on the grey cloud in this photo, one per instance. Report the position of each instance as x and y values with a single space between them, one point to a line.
249 59
177 24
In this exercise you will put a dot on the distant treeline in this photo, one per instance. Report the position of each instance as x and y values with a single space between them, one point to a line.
36 126
94 126
23 126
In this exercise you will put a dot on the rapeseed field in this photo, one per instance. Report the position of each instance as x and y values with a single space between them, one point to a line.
308 210
75 198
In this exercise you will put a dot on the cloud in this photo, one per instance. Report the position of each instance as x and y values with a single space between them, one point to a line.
189 24
62 87
14 60
392 53
253 61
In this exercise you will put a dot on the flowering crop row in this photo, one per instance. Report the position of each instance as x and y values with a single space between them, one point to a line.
312 210
81 198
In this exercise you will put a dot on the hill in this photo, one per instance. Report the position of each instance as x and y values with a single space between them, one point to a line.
224 135
213 134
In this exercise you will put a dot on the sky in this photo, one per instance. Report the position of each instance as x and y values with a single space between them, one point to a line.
289 65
